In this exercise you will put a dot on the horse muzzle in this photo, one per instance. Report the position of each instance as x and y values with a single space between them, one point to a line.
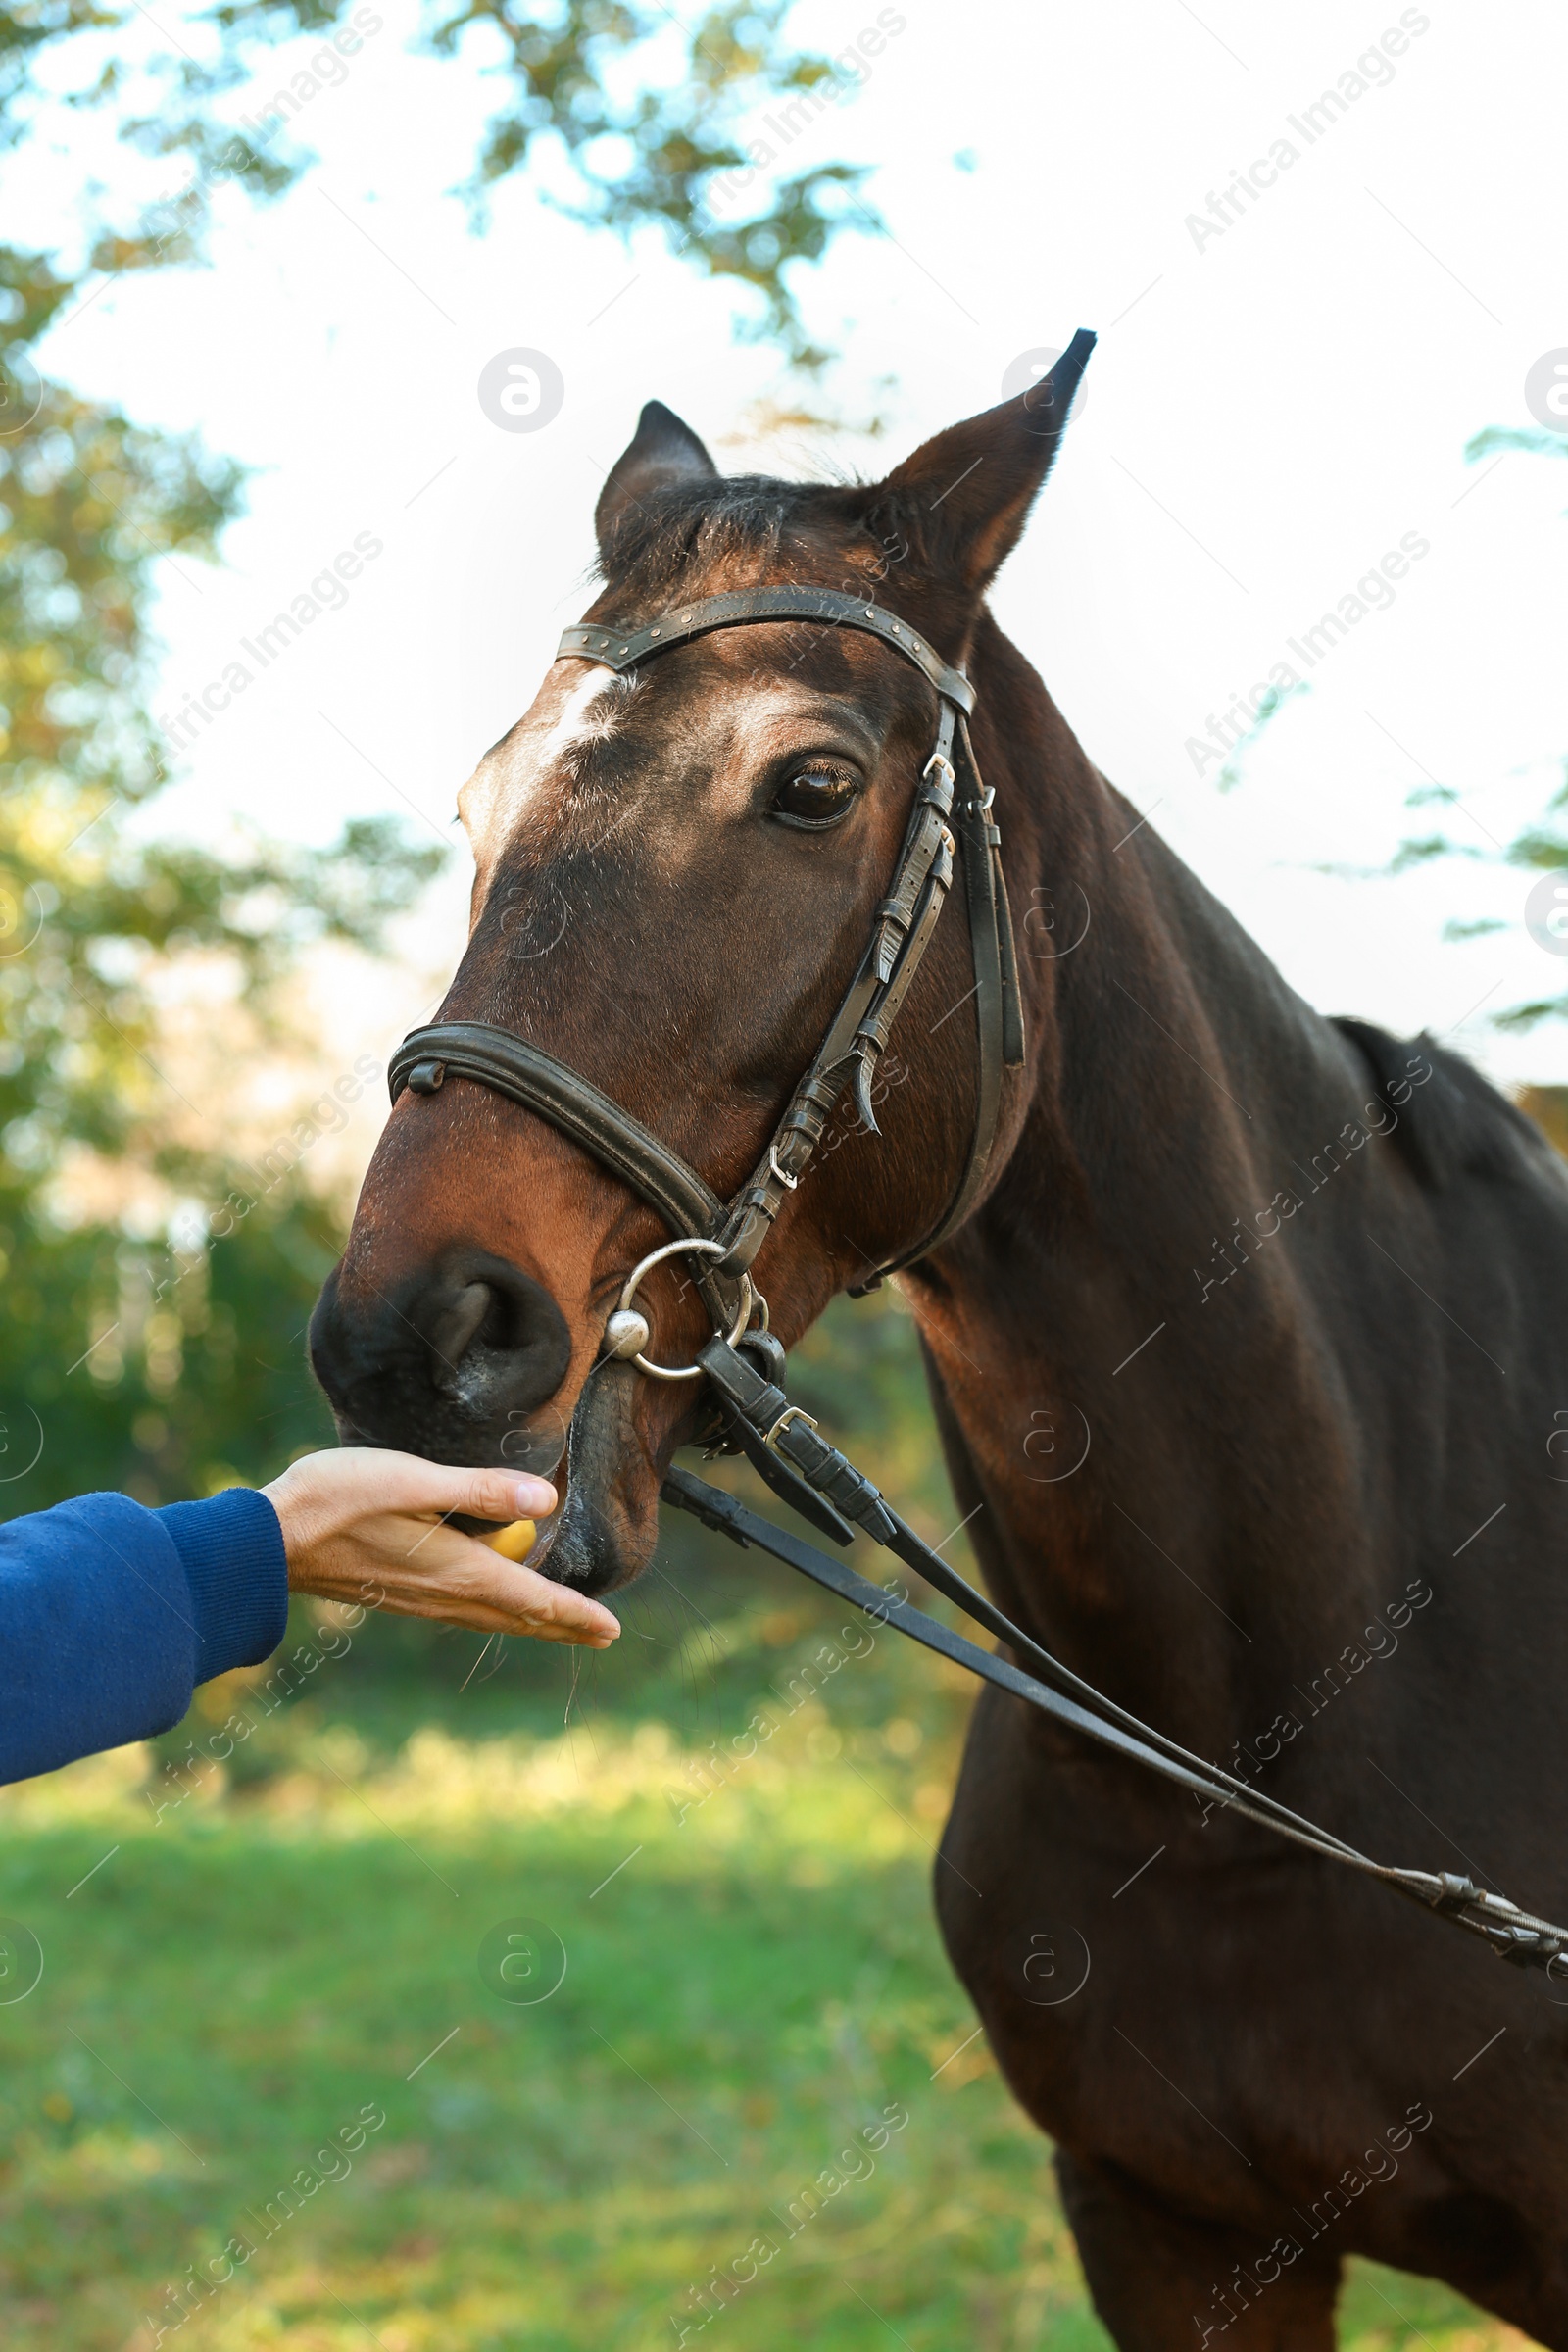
457 1361
466 1360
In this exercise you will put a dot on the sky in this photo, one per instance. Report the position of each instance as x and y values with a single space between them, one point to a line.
1287 377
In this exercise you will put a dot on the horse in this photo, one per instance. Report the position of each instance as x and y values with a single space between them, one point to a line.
1245 1365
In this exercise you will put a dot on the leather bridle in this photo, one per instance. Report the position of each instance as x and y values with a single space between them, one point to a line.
951 814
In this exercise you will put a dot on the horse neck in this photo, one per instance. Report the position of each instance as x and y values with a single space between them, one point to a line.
1177 1085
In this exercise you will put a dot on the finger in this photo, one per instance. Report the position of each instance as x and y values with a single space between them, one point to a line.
407 1483
479 1617
536 1604
460 1579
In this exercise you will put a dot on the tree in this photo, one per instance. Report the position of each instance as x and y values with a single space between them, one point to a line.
155 1287
89 923
1541 847
678 165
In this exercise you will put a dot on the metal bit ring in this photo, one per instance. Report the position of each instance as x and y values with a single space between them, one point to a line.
629 1290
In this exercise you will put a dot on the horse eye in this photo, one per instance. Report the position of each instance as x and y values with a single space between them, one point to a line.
815 798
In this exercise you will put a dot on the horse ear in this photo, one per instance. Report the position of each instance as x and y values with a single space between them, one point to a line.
662 451
964 495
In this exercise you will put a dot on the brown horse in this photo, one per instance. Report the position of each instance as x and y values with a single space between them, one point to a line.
1246 1362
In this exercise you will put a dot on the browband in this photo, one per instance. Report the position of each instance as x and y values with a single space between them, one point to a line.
622 650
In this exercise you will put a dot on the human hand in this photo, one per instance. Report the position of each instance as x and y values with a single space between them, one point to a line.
363 1525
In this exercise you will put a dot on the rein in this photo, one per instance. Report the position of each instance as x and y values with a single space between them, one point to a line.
745 1369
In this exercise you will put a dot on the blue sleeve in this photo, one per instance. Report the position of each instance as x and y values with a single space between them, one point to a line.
110 1615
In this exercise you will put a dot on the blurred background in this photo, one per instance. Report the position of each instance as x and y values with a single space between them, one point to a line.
291 282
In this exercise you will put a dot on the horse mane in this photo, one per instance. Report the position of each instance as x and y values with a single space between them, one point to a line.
1456 1123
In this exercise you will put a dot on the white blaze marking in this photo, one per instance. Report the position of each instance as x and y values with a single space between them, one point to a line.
569 727
506 783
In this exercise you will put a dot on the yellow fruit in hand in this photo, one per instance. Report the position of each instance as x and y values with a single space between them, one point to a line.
513 1543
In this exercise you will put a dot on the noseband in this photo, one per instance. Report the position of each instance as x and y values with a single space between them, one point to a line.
950 815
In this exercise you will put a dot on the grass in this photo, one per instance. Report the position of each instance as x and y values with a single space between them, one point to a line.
754 1997
248 1963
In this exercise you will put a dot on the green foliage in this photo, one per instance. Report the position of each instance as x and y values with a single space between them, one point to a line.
133 1361
1423 850
1542 846
1535 441
673 144
90 501
160 1371
1482 928
1530 1013
1270 704
93 922
657 147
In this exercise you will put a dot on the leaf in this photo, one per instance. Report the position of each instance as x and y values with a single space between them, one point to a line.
1273 702
1422 853
1526 1016
1536 441
1538 849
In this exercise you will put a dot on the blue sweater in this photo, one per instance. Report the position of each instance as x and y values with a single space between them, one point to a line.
110 1615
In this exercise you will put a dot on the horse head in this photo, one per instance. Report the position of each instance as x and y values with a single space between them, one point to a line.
678 870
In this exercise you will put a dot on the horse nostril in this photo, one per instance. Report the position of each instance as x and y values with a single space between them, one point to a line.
495 1336
456 1327
452 1361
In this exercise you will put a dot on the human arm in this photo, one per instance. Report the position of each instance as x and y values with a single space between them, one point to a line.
359 1522
110 1614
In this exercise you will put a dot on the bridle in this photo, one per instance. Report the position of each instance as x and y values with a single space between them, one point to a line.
950 815
745 1369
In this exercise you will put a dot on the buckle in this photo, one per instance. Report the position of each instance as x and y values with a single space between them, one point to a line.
791 1412
936 760
790 1183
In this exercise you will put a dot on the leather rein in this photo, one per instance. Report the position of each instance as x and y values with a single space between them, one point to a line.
745 1369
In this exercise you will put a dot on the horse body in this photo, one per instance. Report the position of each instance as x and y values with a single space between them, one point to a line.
1264 1550
1245 1367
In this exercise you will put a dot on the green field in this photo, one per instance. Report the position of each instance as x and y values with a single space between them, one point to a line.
284 1959
284 1945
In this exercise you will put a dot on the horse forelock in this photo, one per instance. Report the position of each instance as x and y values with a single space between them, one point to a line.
678 538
